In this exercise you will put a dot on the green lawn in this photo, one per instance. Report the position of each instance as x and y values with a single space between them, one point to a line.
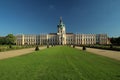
60 63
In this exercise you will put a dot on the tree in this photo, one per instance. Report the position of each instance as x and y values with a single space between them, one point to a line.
111 46
84 48
2 40
73 46
115 41
10 39
47 45
118 41
37 48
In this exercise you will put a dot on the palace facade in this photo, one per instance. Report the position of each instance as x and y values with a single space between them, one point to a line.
61 38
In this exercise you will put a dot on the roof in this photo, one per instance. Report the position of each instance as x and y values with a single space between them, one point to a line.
61 24
69 33
53 33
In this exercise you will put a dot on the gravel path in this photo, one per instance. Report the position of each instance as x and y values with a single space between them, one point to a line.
107 53
13 53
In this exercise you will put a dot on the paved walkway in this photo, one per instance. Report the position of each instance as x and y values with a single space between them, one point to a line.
107 53
13 53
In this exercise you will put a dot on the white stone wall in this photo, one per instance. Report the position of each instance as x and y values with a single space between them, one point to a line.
85 39
52 39
19 40
102 38
29 40
70 39
43 39
55 39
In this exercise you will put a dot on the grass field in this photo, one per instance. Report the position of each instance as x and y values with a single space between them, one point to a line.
60 63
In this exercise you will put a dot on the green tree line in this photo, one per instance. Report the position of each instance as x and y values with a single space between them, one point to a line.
115 41
8 40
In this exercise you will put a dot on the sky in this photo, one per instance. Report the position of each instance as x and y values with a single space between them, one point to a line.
42 16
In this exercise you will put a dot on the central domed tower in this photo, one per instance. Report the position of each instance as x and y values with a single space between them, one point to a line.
61 26
61 32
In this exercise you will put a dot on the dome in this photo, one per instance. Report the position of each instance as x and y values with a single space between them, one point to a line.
61 24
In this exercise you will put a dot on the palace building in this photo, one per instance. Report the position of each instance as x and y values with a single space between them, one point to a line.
61 38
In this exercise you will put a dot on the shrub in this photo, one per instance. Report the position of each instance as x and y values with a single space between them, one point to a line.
10 46
73 46
36 48
47 46
52 45
84 48
111 46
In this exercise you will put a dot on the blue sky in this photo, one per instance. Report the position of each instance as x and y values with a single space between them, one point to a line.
42 16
